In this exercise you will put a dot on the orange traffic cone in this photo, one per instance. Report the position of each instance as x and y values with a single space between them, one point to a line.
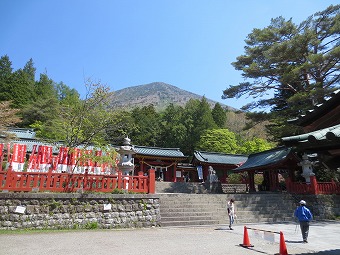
246 242
283 248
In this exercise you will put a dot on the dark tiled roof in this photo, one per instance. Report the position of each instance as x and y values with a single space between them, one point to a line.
265 158
158 152
319 109
323 135
140 150
219 158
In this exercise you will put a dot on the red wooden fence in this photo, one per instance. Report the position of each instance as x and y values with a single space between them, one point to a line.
65 182
314 187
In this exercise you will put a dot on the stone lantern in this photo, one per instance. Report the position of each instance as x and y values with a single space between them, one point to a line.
126 162
307 167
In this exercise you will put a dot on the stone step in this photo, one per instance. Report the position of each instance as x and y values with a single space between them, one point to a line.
189 223
200 209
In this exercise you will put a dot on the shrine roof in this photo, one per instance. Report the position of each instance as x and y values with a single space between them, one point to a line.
265 159
159 152
22 132
219 158
31 142
318 110
324 136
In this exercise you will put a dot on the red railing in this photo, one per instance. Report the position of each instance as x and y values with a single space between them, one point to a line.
314 187
66 182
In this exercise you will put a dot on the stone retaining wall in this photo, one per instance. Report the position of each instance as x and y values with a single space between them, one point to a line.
76 210
322 206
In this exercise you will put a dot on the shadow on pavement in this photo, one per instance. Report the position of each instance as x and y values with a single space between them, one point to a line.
287 241
253 249
328 252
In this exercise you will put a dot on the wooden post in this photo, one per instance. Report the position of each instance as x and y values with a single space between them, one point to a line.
8 178
120 180
288 184
314 183
152 181
251 181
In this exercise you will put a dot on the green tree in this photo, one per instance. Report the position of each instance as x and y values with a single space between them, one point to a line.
44 107
123 126
84 121
218 140
219 115
300 64
197 118
173 129
5 78
18 86
45 88
147 131
65 94
254 145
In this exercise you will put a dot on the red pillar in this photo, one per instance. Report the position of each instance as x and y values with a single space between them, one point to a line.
8 183
152 181
119 180
314 183
174 173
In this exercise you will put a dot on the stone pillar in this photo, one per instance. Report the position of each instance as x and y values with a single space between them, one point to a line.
126 162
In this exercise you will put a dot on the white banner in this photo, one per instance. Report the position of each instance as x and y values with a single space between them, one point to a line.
200 172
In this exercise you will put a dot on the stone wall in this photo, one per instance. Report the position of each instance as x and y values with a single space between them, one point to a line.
323 207
76 210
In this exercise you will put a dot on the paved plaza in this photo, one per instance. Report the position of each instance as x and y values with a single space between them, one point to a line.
323 240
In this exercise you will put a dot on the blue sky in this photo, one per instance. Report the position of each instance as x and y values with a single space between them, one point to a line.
121 43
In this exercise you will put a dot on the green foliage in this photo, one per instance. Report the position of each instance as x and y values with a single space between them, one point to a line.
218 140
234 179
147 130
173 130
254 145
118 191
91 225
219 115
223 140
123 125
258 179
84 121
298 63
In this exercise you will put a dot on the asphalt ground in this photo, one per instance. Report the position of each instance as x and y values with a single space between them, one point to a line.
324 238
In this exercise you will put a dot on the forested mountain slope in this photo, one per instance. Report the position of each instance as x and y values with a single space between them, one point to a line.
157 93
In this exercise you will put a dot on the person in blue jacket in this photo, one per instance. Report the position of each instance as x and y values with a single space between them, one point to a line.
304 216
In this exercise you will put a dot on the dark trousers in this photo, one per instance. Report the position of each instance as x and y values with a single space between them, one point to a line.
304 225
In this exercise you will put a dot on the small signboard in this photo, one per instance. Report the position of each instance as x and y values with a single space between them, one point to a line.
107 207
20 209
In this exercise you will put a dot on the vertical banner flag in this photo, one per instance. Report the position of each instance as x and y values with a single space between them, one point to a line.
200 172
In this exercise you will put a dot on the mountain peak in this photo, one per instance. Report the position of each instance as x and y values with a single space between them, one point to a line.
159 94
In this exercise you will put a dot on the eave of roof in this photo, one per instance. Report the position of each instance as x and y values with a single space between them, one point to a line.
319 109
265 159
325 137
23 133
159 152
205 157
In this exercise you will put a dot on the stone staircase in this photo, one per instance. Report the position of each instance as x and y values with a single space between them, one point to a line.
182 209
